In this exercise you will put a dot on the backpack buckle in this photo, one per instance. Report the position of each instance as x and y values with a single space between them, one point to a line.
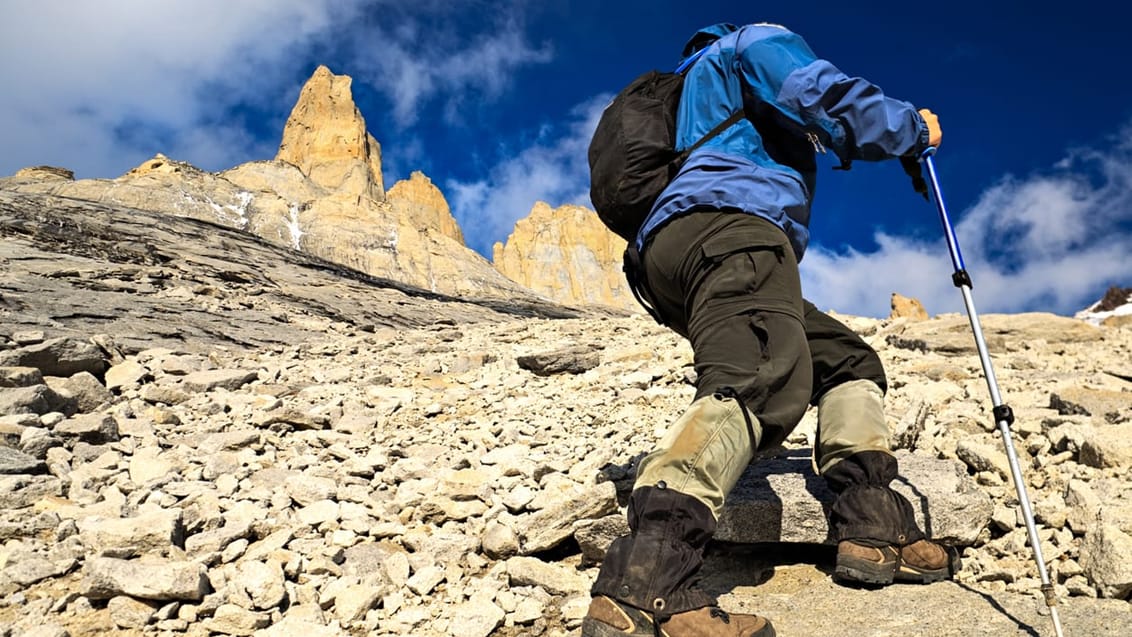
815 141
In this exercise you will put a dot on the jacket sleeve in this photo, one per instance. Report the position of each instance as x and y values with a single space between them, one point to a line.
851 116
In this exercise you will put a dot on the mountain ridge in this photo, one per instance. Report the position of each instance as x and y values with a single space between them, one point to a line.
323 193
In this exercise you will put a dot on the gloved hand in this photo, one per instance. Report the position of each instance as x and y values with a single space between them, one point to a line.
911 164
935 133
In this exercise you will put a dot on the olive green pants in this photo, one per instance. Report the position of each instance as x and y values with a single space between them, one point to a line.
729 283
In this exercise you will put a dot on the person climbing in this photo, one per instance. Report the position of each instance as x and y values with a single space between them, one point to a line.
716 260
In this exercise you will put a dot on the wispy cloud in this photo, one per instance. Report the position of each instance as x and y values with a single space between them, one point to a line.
1052 241
103 86
427 56
554 169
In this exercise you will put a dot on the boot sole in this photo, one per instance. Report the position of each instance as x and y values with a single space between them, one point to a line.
921 576
863 571
594 628
866 572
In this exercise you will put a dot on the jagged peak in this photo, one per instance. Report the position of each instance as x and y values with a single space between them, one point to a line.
417 179
325 137
543 212
420 199
567 254
323 70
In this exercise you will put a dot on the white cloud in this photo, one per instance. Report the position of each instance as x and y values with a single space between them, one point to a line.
1051 242
94 76
554 169
861 283
104 86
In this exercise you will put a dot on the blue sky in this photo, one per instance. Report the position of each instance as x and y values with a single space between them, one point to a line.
495 102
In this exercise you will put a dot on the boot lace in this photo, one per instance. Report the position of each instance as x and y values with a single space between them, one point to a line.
719 613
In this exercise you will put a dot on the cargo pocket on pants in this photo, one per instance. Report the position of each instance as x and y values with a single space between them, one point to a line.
742 266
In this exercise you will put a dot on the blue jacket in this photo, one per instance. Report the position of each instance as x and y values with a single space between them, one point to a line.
773 75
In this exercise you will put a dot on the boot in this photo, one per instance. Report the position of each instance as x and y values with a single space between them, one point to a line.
922 562
655 567
608 618
878 539
646 585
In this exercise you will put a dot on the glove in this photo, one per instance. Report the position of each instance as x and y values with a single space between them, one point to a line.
935 133
911 164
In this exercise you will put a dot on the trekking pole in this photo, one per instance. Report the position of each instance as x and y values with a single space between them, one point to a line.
1003 415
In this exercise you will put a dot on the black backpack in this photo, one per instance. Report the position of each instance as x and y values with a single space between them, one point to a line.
632 154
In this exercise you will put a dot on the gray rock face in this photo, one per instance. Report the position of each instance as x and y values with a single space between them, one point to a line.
783 500
153 533
20 377
154 280
277 446
13 461
36 399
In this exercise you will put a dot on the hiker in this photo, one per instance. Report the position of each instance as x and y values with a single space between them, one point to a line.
717 261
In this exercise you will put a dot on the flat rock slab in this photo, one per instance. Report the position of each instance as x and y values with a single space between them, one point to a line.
796 592
782 499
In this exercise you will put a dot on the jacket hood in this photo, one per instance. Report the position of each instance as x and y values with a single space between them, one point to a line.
706 36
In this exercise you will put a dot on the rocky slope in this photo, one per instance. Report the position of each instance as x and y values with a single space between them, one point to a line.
73 268
203 433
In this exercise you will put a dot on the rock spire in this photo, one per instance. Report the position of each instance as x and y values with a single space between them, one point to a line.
326 138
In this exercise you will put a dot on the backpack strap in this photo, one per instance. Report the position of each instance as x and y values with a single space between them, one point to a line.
719 128
635 277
